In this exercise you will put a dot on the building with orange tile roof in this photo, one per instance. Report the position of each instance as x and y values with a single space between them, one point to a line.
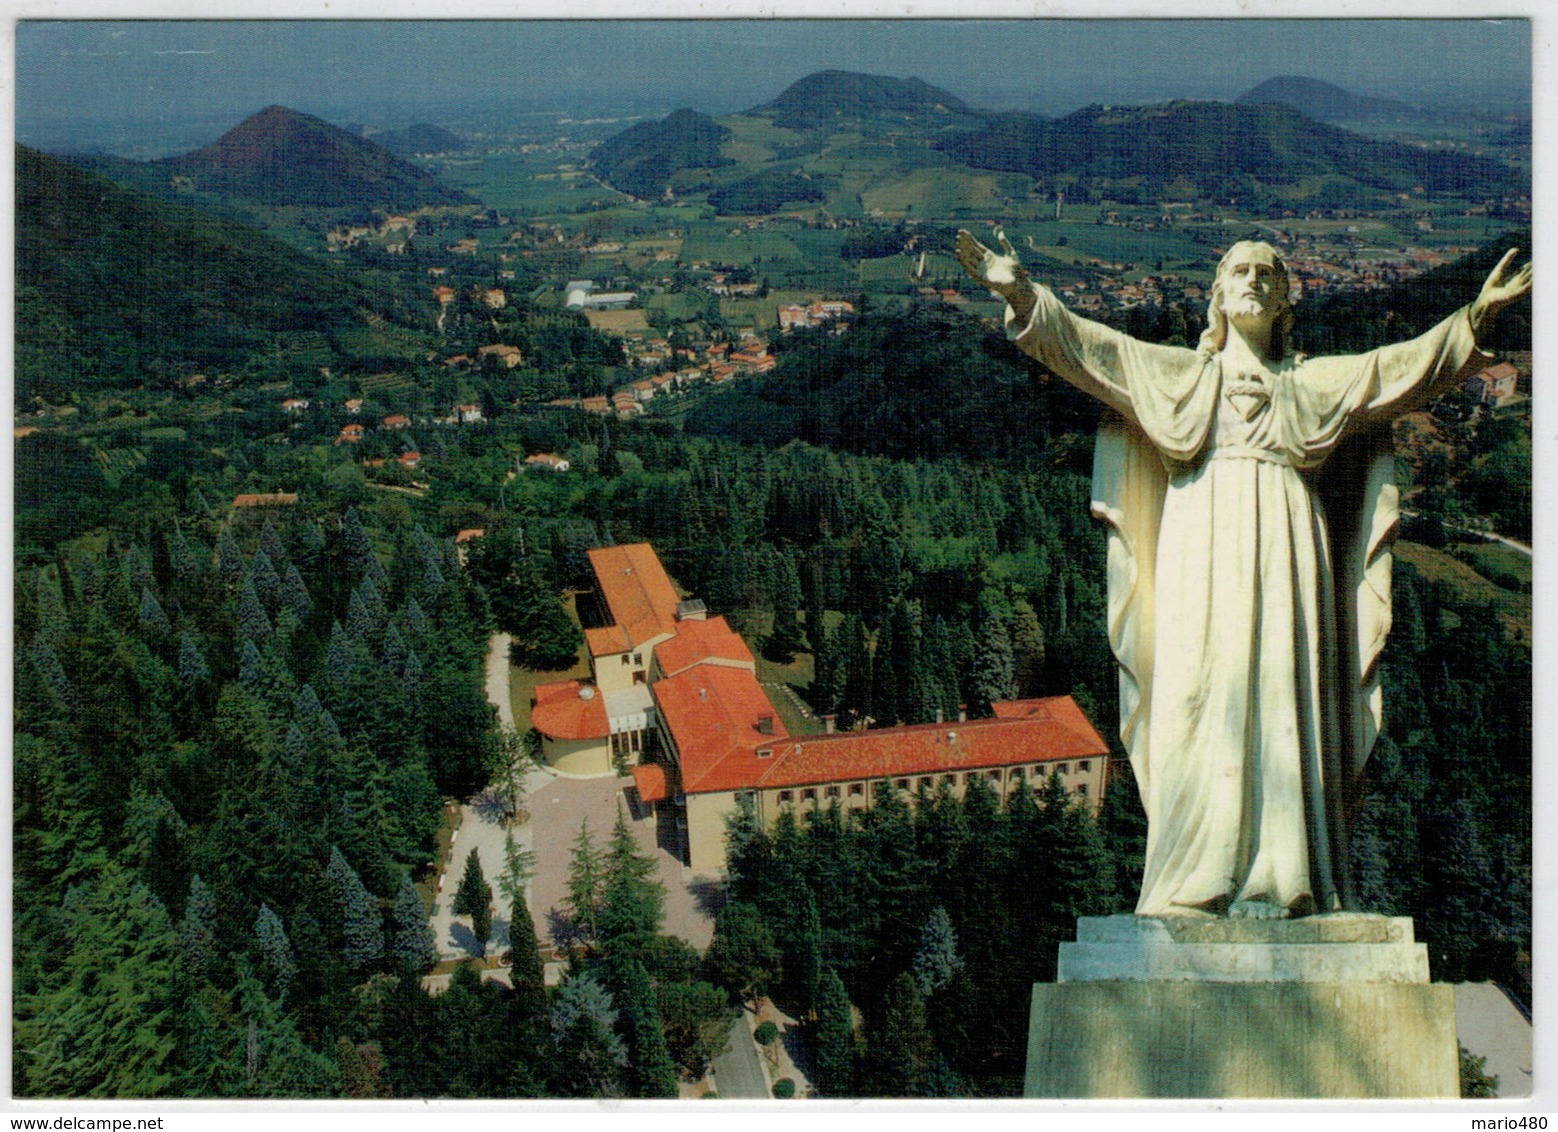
271 499
675 698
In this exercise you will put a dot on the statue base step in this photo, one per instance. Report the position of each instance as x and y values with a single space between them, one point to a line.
1323 1006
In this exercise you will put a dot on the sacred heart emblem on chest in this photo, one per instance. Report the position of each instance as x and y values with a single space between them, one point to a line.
1248 398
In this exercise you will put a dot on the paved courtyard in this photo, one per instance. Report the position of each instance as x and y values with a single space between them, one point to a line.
559 807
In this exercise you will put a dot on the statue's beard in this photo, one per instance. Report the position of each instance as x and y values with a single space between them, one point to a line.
1248 307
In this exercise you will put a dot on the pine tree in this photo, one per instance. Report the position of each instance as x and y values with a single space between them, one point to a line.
835 1038
192 665
590 1055
803 954
274 952
354 541
742 956
474 899
185 564
152 618
937 959
253 622
994 677
786 638
632 901
362 930
274 549
411 939
650 1070
265 579
197 932
359 622
294 594
229 559
586 877
250 663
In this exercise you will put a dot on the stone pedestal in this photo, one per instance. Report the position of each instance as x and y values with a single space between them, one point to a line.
1324 1006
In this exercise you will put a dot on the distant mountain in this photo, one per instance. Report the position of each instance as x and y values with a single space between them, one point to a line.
1217 146
642 159
282 157
420 138
1325 101
117 288
829 96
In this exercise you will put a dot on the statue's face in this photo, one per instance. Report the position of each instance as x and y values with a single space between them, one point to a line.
1254 284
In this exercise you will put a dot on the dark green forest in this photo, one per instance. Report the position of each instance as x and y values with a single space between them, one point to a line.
237 729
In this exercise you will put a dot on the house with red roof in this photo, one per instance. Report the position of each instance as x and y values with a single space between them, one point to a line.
674 697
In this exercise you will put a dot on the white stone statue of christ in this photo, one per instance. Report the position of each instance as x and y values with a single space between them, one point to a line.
1250 501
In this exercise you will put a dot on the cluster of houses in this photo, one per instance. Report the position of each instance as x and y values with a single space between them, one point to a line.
673 697
793 315
714 364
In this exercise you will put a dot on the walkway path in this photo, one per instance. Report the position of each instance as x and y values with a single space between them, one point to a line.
738 1072
498 677
1491 1026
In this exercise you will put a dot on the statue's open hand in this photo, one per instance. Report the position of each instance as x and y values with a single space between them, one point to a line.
1501 288
996 270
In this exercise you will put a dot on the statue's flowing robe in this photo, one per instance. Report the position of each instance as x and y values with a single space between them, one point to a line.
1250 517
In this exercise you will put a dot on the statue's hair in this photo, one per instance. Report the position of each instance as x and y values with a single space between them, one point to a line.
1215 336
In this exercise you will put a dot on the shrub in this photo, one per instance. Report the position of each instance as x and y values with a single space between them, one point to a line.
766 1033
784 1088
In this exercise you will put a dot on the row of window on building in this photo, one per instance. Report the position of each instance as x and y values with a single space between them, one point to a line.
930 782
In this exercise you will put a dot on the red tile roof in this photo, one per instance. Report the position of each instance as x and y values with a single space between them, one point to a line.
637 590
656 782
274 499
569 709
607 641
713 713
1023 731
469 533
697 641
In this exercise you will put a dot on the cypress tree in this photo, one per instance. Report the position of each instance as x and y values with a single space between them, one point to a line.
274 950
474 899
835 1038
362 930
899 1048
651 1072
411 940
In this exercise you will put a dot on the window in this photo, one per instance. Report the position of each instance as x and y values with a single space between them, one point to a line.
765 752
926 783
857 789
832 791
1063 768
949 779
902 783
1081 790
786 797
1016 774
1084 766
993 775
624 658
638 658
808 795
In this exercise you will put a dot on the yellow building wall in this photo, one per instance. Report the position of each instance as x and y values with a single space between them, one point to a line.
617 670
585 757
706 830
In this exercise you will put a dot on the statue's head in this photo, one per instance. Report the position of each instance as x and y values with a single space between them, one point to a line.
1234 294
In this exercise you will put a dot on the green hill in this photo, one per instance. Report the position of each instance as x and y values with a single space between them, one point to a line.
642 159
1324 101
117 288
834 96
282 157
1224 148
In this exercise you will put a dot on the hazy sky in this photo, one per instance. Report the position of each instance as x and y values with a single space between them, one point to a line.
180 71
